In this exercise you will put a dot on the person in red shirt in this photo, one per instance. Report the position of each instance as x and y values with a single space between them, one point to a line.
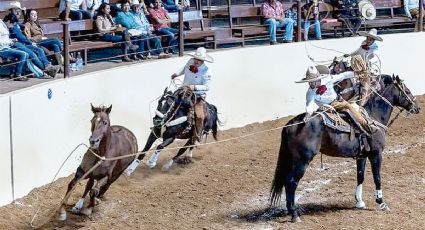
161 24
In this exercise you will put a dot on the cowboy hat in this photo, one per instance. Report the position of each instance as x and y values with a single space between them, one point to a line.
315 73
15 5
201 54
373 33
135 2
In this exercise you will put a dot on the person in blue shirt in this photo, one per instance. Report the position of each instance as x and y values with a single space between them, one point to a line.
36 54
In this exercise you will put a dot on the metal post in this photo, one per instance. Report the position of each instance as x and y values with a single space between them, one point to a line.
421 15
298 38
65 49
181 35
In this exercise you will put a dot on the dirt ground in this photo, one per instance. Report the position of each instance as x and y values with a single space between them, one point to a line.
227 187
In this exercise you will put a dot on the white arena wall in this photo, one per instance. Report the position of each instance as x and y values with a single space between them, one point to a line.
249 85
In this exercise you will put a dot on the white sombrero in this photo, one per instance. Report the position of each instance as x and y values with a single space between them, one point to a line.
135 2
373 33
201 54
15 5
315 73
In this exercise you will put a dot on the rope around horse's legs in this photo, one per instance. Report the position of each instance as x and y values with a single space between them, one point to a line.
65 199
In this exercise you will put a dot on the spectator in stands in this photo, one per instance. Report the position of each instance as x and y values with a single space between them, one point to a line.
348 13
93 6
34 32
171 6
6 52
73 10
147 33
161 24
292 14
112 32
273 13
310 13
37 54
411 8
127 19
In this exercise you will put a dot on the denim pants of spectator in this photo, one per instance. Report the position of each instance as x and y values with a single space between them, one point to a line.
15 54
153 43
76 15
37 55
170 33
286 23
52 44
306 27
115 39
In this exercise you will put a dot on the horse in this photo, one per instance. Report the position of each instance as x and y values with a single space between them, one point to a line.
300 142
106 141
170 123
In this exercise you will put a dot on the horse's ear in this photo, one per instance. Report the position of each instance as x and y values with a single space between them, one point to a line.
393 77
93 109
165 90
108 110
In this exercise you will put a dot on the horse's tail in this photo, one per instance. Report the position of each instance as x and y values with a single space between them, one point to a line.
215 122
282 169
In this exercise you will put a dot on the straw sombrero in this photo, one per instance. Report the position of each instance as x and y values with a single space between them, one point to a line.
315 73
373 33
201 54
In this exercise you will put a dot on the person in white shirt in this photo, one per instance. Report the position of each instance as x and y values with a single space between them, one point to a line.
73 10
321 92
197 76
92 6
368 51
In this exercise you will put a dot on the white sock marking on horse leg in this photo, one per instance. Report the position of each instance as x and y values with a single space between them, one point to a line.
190 154
359 200
168 165
153 159
130 169
62 214
78 206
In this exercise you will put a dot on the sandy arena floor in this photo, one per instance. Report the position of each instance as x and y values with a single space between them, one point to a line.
227 187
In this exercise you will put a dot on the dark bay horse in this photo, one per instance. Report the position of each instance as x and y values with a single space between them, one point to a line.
300 143
106 141
170 123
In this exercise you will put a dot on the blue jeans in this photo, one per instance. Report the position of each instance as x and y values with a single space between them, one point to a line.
37 55
170 33
15 54
306 27
153 43
76 15
115 39
52 44
287 23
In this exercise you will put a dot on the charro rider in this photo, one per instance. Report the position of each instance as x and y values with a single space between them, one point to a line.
197 76
321 92
368 66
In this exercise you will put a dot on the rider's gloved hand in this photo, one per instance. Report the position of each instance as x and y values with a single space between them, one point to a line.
174 76
307 117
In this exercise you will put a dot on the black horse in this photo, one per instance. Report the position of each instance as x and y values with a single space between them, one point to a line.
171 122
300 143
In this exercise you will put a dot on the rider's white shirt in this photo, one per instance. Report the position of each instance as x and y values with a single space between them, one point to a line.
313 98
371 55
200 79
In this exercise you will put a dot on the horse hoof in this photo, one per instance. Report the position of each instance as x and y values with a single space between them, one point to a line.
87 211
76 210
168 165
296 219
151 164
97 201
62 216
384 207
360 205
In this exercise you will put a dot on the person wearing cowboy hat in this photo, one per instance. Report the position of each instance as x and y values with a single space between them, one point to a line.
368 51
197 76
321 92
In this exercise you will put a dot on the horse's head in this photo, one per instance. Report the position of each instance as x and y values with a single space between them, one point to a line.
100 125
399 94
165 103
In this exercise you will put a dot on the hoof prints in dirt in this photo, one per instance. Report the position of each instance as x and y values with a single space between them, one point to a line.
262 215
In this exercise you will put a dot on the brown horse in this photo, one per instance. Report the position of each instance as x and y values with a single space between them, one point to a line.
106 141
